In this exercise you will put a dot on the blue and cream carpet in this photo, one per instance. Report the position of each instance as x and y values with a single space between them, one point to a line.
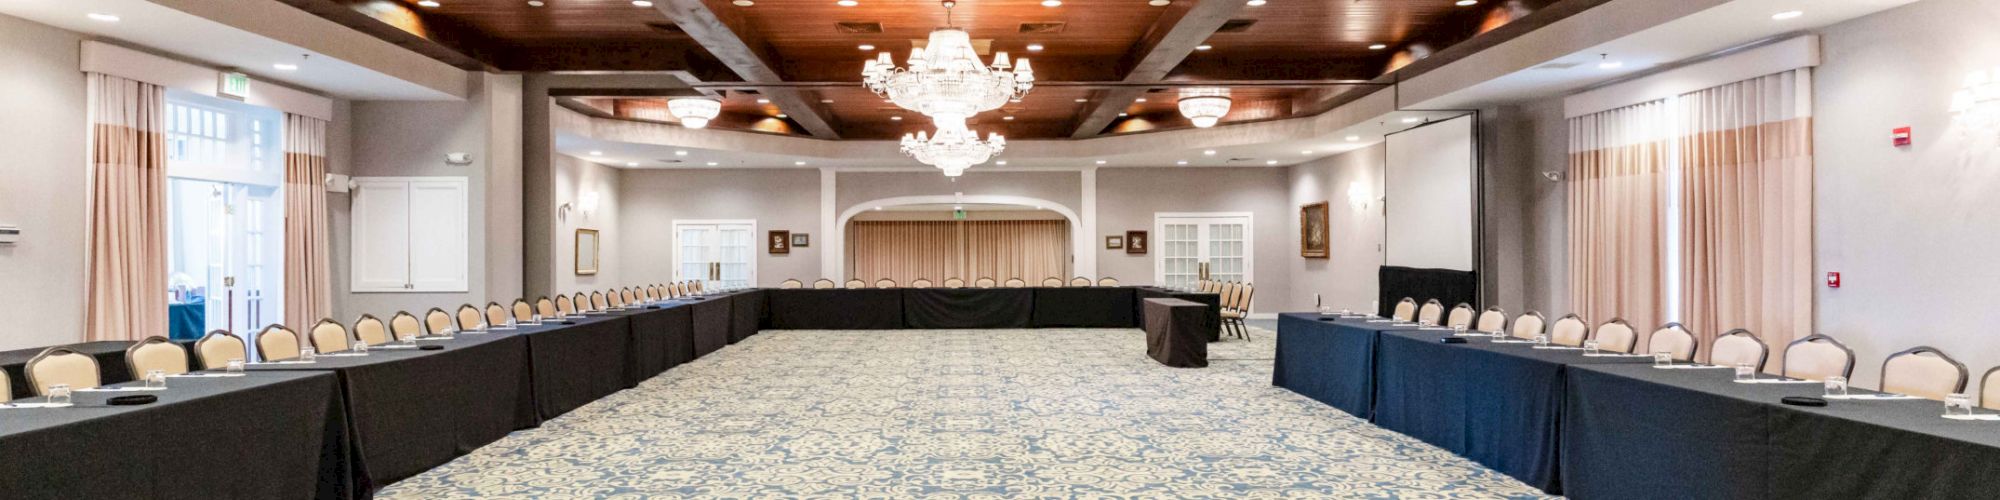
960 415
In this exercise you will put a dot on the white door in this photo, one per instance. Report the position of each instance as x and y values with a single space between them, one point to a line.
720 254
1190 245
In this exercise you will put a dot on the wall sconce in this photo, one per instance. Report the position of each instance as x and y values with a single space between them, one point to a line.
588 202
1357 195
1975 108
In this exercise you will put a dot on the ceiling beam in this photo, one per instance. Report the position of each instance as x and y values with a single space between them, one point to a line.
1184 26
730 39
395 23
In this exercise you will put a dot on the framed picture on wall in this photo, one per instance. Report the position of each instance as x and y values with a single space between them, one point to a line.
586 252
801 240
1314 235
1135 242
1114 242
780 242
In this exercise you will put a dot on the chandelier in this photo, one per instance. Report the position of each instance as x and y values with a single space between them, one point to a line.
953 149
694 113
1205 107
946 81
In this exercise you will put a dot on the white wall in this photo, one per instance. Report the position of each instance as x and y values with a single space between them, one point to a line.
42 185
650 201
1348 277
575 177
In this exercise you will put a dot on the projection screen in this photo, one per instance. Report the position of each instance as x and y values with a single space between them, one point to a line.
1430 215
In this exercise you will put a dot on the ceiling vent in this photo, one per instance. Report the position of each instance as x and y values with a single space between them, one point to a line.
1236 26
855 28
1558 65
1043 28
668 161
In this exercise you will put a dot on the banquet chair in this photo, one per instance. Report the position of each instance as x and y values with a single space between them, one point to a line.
1817 357
1244 292
437 322
1107 281
983 283
156 353
469 318
698 286
1054 282
1079 281
1226 302
1493 320
823 284
598 302
277 343
61 365
676 290
1989 389
1406 310
1461 315
614 299
649 292
1739 346
885 283
217 348
326 336
6 387
404 324
371 330
1570 330
1675 340
1616 336
1016 283
497 315
563 307
1528 325
954 283
630 296
582 302
1430 312
1211 286
1924 372
791 284
920 283
856 284
525 312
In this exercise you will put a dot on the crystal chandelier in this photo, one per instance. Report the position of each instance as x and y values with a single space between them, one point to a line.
954 148
945 80
1205 106
694 112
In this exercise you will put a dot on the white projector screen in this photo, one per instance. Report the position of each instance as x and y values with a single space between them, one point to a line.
1430 198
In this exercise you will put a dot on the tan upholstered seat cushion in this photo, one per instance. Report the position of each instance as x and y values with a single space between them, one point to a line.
79 371
1616 337
1568 331
1490 321
217 350
1527 326
1924 375
1732 350
1816 360
166 357
328 336
1678 342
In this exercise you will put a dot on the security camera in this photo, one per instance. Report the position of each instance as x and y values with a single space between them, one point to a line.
1553 175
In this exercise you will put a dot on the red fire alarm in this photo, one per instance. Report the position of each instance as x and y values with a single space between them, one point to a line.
1901 136
1833 280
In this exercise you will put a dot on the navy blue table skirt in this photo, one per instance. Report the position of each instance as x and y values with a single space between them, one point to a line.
1329 360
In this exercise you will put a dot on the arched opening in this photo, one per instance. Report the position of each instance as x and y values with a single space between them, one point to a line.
939 237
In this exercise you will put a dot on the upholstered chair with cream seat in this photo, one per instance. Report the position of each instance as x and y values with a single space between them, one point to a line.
1616 336
920 283
1989 389
437 322
583 304
1431 312
1675 340
1737 347
1816 358
1107 281
1528 325
631 297
404 324
598 302
791 284
326 336
824 284
469 318
984 283
60 365
1015 283
218 347
1461 315
856 284
1406 310
1569 330
698 286
1079 281
156 353
1494 319
954 282
371 330
497 315
564 307
885 283
1052 282
277 343
524 312
6 387
1923 372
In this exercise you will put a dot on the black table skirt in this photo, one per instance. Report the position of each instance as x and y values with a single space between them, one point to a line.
1087 307
1213 319
1330 361
1172 335
110 356
284 436
747 307
967 307
866 309
662 338
713 322
570 361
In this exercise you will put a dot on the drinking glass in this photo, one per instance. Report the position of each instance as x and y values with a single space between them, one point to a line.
1836 386
234 366
156 379
1346 312
1324 310
1590 347
58 394
1663 358
1541 340
306 354
1957 404
1746 372
407 337
1498 333
360 346
537 320
1458 330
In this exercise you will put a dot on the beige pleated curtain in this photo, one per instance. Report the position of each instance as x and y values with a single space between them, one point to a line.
1617 193
127 263
308 289
936 250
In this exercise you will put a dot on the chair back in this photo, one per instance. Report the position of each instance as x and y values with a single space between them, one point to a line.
155 353
1616 336
698 285
525 312
920 283
1107 281
1924 372
856 284
1016 283
649 293
1738 347
1528 325
404 324
497 315
1494 319
6 387
1243 296
437 322
1675 339
791 284
954 283
629 296
563 307
598 302
277 343
1054 282
1431 312
60 365
1816 358
1989 389
1226 296
469 318
983 283
215 349
582 302
1461 315
326 336
371 330
1569 330
885 283
615 299
1406 310
823 284
1079 281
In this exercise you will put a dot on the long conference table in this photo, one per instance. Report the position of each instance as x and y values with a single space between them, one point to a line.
1617 427
346 425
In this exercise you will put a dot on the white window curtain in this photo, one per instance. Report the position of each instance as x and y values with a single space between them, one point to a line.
1617 193
127 266
308 287
937 250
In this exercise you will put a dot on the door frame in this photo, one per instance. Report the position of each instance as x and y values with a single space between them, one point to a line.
1249 240
755 242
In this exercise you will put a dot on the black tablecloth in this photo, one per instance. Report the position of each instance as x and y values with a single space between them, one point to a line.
1497 404
1087 307
968 307
578 360
1213 321
412 410
662 338
110 355
263 435
747 306
712 323
865 309
1173 337
1449 287
1329 360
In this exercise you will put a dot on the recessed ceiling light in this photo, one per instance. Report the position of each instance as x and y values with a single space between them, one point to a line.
1100 162
1007 118
743 3
1378 46
680 152
799 163
896 118
878 208
1203 47
631 164
847 3
782 115
1467 3
1306 152
1079 99
1210 152
1122 115
597 153
866 47
1256 3
1051 3
826 101
1787 15
713 164
429 3
1158 3
1413 119
1034 47
1001 162
285 67
763 101
1353 138
1610 64
642 3
535 3
1270 162
1142 99
1182 162
98 16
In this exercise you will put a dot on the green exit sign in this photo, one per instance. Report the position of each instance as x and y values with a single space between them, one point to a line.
958 214
234 84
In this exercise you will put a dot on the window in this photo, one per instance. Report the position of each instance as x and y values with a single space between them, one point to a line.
225 215
1189 244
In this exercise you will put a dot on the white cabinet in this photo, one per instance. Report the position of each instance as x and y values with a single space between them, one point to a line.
410 234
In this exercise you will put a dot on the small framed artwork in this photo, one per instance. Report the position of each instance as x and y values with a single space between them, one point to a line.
780 242
586 252
1114 242
1314 236
801 240
1135 242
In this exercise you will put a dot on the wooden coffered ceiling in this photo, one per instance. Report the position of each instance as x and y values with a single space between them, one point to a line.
1105 66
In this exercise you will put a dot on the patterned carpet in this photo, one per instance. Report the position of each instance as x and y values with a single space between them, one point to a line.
960 415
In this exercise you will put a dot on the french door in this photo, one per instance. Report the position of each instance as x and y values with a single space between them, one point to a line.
720 254
1192 247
